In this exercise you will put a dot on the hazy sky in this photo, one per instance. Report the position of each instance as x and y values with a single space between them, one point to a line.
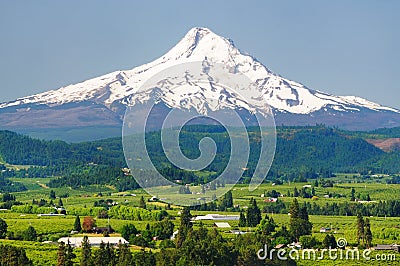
340 47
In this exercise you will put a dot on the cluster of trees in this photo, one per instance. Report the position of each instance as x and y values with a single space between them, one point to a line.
8 200
390 208
253 215
364 234
24 150
381 208
105 255
299 222
85 175
308 241
8 186
161 230
10 255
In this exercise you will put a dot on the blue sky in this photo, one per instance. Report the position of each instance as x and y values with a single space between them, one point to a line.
340 47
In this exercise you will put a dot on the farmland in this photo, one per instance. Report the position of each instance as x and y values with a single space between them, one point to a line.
336 185
385 230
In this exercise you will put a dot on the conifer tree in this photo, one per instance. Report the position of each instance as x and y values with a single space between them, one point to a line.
299 221
295 192
360 229
60 203
86 257
30 234
253 214
242 220
185 226
294 209
142 203
70 255
368 233
110 255
3 228
124 256
352 197
77 224
61 255
100 256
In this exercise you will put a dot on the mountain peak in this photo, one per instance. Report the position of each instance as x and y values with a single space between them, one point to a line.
200 44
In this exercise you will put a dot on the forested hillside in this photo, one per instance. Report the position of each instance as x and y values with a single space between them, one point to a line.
307 152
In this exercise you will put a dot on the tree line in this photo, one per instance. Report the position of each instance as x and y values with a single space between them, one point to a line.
299 150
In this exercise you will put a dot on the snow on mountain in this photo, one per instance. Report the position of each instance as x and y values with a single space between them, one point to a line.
201 44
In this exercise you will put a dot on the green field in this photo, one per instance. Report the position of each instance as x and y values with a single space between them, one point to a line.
385 230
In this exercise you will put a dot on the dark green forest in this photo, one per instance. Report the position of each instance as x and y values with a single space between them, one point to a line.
301 152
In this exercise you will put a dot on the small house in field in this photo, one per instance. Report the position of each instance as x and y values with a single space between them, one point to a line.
325 230
222 225
103 230
93 241
394 247
217 217
154 199
271 200
50 214
237 232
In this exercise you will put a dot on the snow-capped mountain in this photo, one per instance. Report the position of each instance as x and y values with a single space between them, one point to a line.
102 100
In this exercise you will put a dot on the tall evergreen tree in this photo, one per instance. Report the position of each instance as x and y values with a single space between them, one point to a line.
60 203
299 222
52 195
303 214
125 257
242 220
86 256
110 255
353 192
185 226
77 224
65 255
368 233
3 228
329 241
61 254
100 256
30 234
294 209
142 203
227 201
360 229
295 192
253 214
70 255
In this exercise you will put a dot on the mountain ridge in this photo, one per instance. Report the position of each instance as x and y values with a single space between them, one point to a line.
109 94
